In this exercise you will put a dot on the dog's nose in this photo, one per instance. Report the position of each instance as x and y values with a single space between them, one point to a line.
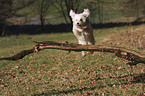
77 23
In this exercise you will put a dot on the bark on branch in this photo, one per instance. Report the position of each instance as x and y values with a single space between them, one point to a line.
128 54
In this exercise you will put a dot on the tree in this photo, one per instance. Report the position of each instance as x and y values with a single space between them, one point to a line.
92 5
5 9
64 6
96 8
40 8
101 9
9 8
133 8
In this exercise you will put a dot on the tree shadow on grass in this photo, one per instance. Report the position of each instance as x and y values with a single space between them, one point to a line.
59 28
140 78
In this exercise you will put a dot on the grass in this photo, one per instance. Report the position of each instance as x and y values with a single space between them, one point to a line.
132 38
55 72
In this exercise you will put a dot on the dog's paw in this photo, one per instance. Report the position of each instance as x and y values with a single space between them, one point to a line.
84 27
80 30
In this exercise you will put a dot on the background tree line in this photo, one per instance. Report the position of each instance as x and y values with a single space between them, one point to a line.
101 10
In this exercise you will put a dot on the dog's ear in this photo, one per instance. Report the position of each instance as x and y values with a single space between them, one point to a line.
72 13
86 12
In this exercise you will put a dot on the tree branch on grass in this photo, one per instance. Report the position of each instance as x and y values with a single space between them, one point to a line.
127 54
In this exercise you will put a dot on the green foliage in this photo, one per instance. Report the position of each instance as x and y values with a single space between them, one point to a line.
55 72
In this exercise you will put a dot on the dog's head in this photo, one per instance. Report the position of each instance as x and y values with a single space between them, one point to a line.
81 19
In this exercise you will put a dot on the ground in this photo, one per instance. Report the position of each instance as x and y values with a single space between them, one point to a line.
56 72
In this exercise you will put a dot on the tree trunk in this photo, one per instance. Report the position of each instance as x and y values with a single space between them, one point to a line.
4 30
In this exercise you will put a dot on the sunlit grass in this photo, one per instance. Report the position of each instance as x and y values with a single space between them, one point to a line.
56 72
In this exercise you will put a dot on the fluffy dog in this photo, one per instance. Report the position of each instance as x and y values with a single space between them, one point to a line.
82 28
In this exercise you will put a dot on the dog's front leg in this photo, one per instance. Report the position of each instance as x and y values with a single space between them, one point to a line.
84 43
80 30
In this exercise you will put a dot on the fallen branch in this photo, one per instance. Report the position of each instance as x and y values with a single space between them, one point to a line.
19 55
130 55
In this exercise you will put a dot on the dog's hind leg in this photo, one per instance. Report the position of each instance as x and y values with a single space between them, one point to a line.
91 43
83 53
83 42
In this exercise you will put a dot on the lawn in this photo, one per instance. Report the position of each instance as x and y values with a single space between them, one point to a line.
56 72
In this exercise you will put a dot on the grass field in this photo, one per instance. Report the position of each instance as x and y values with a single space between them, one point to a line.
55 72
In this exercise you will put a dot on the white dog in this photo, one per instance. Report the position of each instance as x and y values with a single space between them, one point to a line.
82 28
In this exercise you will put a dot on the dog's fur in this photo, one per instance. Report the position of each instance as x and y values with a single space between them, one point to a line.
82 28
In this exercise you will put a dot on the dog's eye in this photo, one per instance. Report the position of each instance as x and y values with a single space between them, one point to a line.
81 19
